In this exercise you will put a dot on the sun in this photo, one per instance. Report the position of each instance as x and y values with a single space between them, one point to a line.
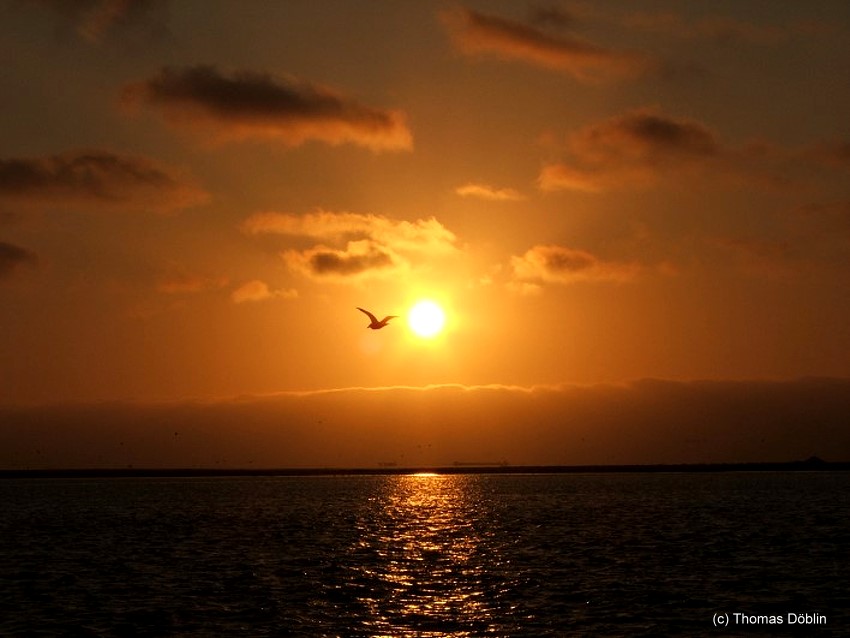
426 319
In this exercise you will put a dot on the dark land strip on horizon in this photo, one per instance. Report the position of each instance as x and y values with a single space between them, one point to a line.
813 464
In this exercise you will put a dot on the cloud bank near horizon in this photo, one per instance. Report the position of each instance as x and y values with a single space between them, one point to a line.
648 421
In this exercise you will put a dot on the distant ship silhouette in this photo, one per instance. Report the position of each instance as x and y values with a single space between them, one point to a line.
375 324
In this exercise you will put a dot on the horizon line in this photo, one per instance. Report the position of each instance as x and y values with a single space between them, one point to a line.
811 464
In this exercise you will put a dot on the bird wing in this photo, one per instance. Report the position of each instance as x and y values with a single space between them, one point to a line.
388 317
368 314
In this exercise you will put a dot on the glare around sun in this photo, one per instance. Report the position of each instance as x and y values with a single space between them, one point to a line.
426 319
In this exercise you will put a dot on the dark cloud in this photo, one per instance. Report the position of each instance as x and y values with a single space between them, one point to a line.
358 259
324 262
476 33
675 135
98 179
637 148
631 150
645 134
648 421
250 105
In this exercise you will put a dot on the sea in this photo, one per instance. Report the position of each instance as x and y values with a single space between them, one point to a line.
608 554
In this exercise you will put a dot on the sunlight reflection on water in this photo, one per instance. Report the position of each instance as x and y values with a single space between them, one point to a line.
431 571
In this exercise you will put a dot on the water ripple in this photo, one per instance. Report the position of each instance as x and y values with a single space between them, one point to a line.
457 555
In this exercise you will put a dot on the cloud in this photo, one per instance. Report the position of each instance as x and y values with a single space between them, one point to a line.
649 421
560 177
93 19
420 235
645 135
13 257
256 290
475 33
96 179
250 105
484 191
354 245
357 260
561 265
631 150
638 148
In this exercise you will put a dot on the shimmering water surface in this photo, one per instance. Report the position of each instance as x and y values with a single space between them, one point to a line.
455 555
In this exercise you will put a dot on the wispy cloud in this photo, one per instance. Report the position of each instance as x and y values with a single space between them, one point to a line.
562 265
250 105
13 257
588 179
421 234
96 179
490 193
257 290
474 33
353 245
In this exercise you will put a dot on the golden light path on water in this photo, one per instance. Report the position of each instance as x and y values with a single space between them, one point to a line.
431 570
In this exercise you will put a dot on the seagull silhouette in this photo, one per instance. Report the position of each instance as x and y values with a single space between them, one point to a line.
376 325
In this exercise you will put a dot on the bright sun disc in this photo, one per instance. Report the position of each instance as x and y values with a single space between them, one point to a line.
426 319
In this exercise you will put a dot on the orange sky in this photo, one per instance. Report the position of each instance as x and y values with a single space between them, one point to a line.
194 197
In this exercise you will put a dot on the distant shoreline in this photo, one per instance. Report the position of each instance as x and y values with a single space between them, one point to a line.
811 465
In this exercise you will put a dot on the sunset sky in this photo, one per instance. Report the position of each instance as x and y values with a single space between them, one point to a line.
628 212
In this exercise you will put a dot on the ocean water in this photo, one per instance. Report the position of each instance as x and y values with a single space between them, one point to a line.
452 555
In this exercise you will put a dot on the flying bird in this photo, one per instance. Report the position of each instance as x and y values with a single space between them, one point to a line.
376 325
